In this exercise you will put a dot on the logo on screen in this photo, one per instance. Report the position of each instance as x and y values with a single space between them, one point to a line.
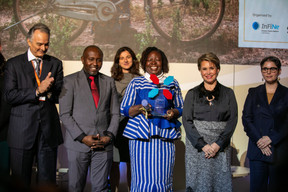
271 26
255 25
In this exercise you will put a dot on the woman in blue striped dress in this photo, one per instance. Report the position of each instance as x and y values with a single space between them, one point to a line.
152 128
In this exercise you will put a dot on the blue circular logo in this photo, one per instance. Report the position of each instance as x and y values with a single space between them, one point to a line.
255 25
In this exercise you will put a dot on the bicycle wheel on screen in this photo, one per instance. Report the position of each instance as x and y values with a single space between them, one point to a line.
34 11
185 21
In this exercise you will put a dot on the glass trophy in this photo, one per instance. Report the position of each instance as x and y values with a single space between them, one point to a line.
159 105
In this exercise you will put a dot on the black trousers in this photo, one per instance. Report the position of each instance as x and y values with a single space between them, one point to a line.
22 160
268 177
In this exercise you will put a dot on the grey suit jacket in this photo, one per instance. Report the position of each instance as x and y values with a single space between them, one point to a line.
79 114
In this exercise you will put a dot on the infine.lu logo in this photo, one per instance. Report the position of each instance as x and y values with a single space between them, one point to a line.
255 25
266 28
270 26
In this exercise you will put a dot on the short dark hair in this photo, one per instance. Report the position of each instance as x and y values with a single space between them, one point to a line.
93 46
144 57
274 59
116 70
210 57
39 26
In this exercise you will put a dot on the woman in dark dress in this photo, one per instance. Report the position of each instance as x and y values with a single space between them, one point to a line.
265 121
209 119
124 69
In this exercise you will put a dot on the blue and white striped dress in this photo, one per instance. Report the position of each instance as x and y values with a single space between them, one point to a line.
151 145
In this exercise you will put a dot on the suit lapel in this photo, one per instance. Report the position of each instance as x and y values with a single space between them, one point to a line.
263 96
103 88
277 95
27 65
28 69
46 67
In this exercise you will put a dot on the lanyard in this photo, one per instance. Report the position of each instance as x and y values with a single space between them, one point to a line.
36 76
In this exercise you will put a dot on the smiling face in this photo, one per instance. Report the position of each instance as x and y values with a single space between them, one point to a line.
154 63
92 60
39 43
209 72
125 61
270 72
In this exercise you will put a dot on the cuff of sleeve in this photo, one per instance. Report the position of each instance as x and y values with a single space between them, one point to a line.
180 111
126 111
201 143
36 92
109 134
80 137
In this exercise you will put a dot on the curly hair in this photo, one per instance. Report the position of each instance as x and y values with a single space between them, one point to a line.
144 57
116 70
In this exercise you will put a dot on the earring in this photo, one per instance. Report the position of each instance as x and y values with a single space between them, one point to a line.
262 79
278 78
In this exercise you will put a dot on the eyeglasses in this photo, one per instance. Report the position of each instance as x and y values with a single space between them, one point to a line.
272 69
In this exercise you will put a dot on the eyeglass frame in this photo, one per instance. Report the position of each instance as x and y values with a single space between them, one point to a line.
272 69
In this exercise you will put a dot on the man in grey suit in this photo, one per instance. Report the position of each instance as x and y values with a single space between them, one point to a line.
91 122
33 82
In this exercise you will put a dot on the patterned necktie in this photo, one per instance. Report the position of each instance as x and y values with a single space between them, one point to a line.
37 67
94 91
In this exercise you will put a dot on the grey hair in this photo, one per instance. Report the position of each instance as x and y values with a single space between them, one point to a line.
39 26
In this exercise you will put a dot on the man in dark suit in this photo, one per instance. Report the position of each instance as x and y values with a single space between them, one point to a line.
4 122
89 111
32 88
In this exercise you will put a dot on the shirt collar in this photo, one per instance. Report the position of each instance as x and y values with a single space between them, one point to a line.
88 75
30 55
161 77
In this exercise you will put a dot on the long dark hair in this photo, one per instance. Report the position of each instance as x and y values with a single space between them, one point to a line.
116 69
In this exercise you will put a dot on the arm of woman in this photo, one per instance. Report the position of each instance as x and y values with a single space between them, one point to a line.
224 137
266 151
177 102
280 116
187 118
128 107
129 101
263 142
248 117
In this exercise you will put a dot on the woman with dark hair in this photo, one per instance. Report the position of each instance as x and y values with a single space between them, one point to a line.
265 121
209 118
124 69
153 103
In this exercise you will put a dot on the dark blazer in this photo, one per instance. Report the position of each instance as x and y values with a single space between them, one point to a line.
263 119
27 111
4 113
79 114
